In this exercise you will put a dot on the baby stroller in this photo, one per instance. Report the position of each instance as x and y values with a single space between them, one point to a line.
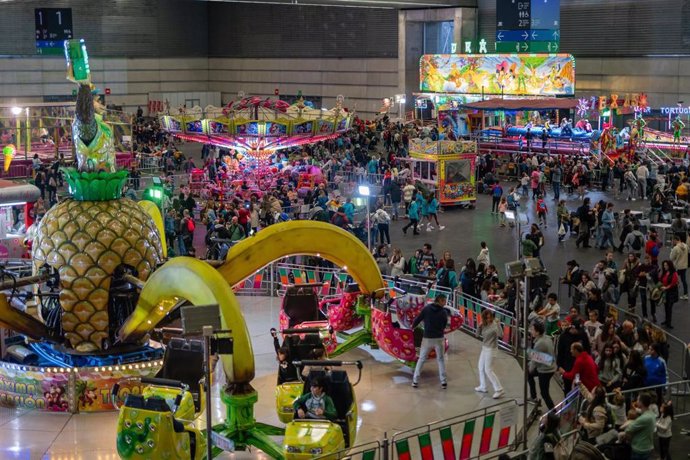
360 231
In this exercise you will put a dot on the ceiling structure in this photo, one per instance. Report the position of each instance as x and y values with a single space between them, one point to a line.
388 4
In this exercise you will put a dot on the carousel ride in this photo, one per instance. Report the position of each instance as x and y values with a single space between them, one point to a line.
258 127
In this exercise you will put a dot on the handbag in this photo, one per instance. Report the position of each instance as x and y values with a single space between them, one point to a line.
621 276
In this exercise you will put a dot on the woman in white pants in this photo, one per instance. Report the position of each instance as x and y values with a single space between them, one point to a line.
489 331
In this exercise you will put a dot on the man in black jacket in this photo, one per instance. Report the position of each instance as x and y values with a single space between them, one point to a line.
587 219
565 359
435 318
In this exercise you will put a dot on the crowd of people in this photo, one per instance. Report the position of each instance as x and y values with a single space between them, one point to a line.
590 347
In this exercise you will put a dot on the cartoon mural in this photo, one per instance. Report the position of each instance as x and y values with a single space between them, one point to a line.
508 74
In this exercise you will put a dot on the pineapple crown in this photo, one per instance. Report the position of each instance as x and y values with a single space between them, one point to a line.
95 185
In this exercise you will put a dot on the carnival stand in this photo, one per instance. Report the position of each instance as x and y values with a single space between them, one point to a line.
447 168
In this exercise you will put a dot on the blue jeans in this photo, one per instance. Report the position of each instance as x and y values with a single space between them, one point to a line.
396 207
607 236
556 190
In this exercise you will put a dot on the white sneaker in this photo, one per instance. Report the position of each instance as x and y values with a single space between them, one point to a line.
428 229
684 297
498 394
480 390
441 227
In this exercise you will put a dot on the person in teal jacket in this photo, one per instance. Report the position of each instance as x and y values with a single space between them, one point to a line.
316 404
446 276
349 209
413 214
421 205
431 205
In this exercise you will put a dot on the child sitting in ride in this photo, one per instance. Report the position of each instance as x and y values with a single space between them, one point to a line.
316 404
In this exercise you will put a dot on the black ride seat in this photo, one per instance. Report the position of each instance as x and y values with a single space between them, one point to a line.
184 361
134 401
301 305
340 391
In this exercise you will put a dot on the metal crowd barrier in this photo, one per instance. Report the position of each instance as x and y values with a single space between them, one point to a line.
677 392
477 434
335 279
678 362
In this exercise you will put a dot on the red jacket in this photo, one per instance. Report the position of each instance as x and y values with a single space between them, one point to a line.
588 370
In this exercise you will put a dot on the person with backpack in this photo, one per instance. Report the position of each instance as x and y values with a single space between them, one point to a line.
446 276
634 241
653 246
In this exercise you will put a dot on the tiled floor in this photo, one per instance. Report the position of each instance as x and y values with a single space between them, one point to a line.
33 435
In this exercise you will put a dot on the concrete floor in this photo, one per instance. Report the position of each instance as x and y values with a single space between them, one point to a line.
466 228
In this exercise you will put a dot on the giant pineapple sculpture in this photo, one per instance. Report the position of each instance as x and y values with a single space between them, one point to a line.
86 237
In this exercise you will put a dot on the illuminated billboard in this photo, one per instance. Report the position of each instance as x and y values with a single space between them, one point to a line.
507 74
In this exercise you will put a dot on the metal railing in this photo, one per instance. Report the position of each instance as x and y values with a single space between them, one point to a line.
335 279
679 355
677 392
482 433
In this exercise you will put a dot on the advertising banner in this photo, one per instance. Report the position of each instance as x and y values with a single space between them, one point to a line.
92 386
504 74
86 390
34 389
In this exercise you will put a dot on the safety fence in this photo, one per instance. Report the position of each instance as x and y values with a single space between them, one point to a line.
333 282
677 392
480 433
678 362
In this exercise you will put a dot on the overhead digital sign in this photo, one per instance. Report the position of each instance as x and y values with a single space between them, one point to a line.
528 26
53 27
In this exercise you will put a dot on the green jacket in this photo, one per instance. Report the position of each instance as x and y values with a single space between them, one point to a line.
329 411
641 432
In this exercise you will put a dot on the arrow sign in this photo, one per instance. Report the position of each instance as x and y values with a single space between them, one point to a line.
525 46
556 34
503 35
517 47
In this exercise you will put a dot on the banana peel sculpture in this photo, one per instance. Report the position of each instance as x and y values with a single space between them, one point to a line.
200 284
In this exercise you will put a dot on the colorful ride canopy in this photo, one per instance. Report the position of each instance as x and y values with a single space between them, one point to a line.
257 125
494 74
